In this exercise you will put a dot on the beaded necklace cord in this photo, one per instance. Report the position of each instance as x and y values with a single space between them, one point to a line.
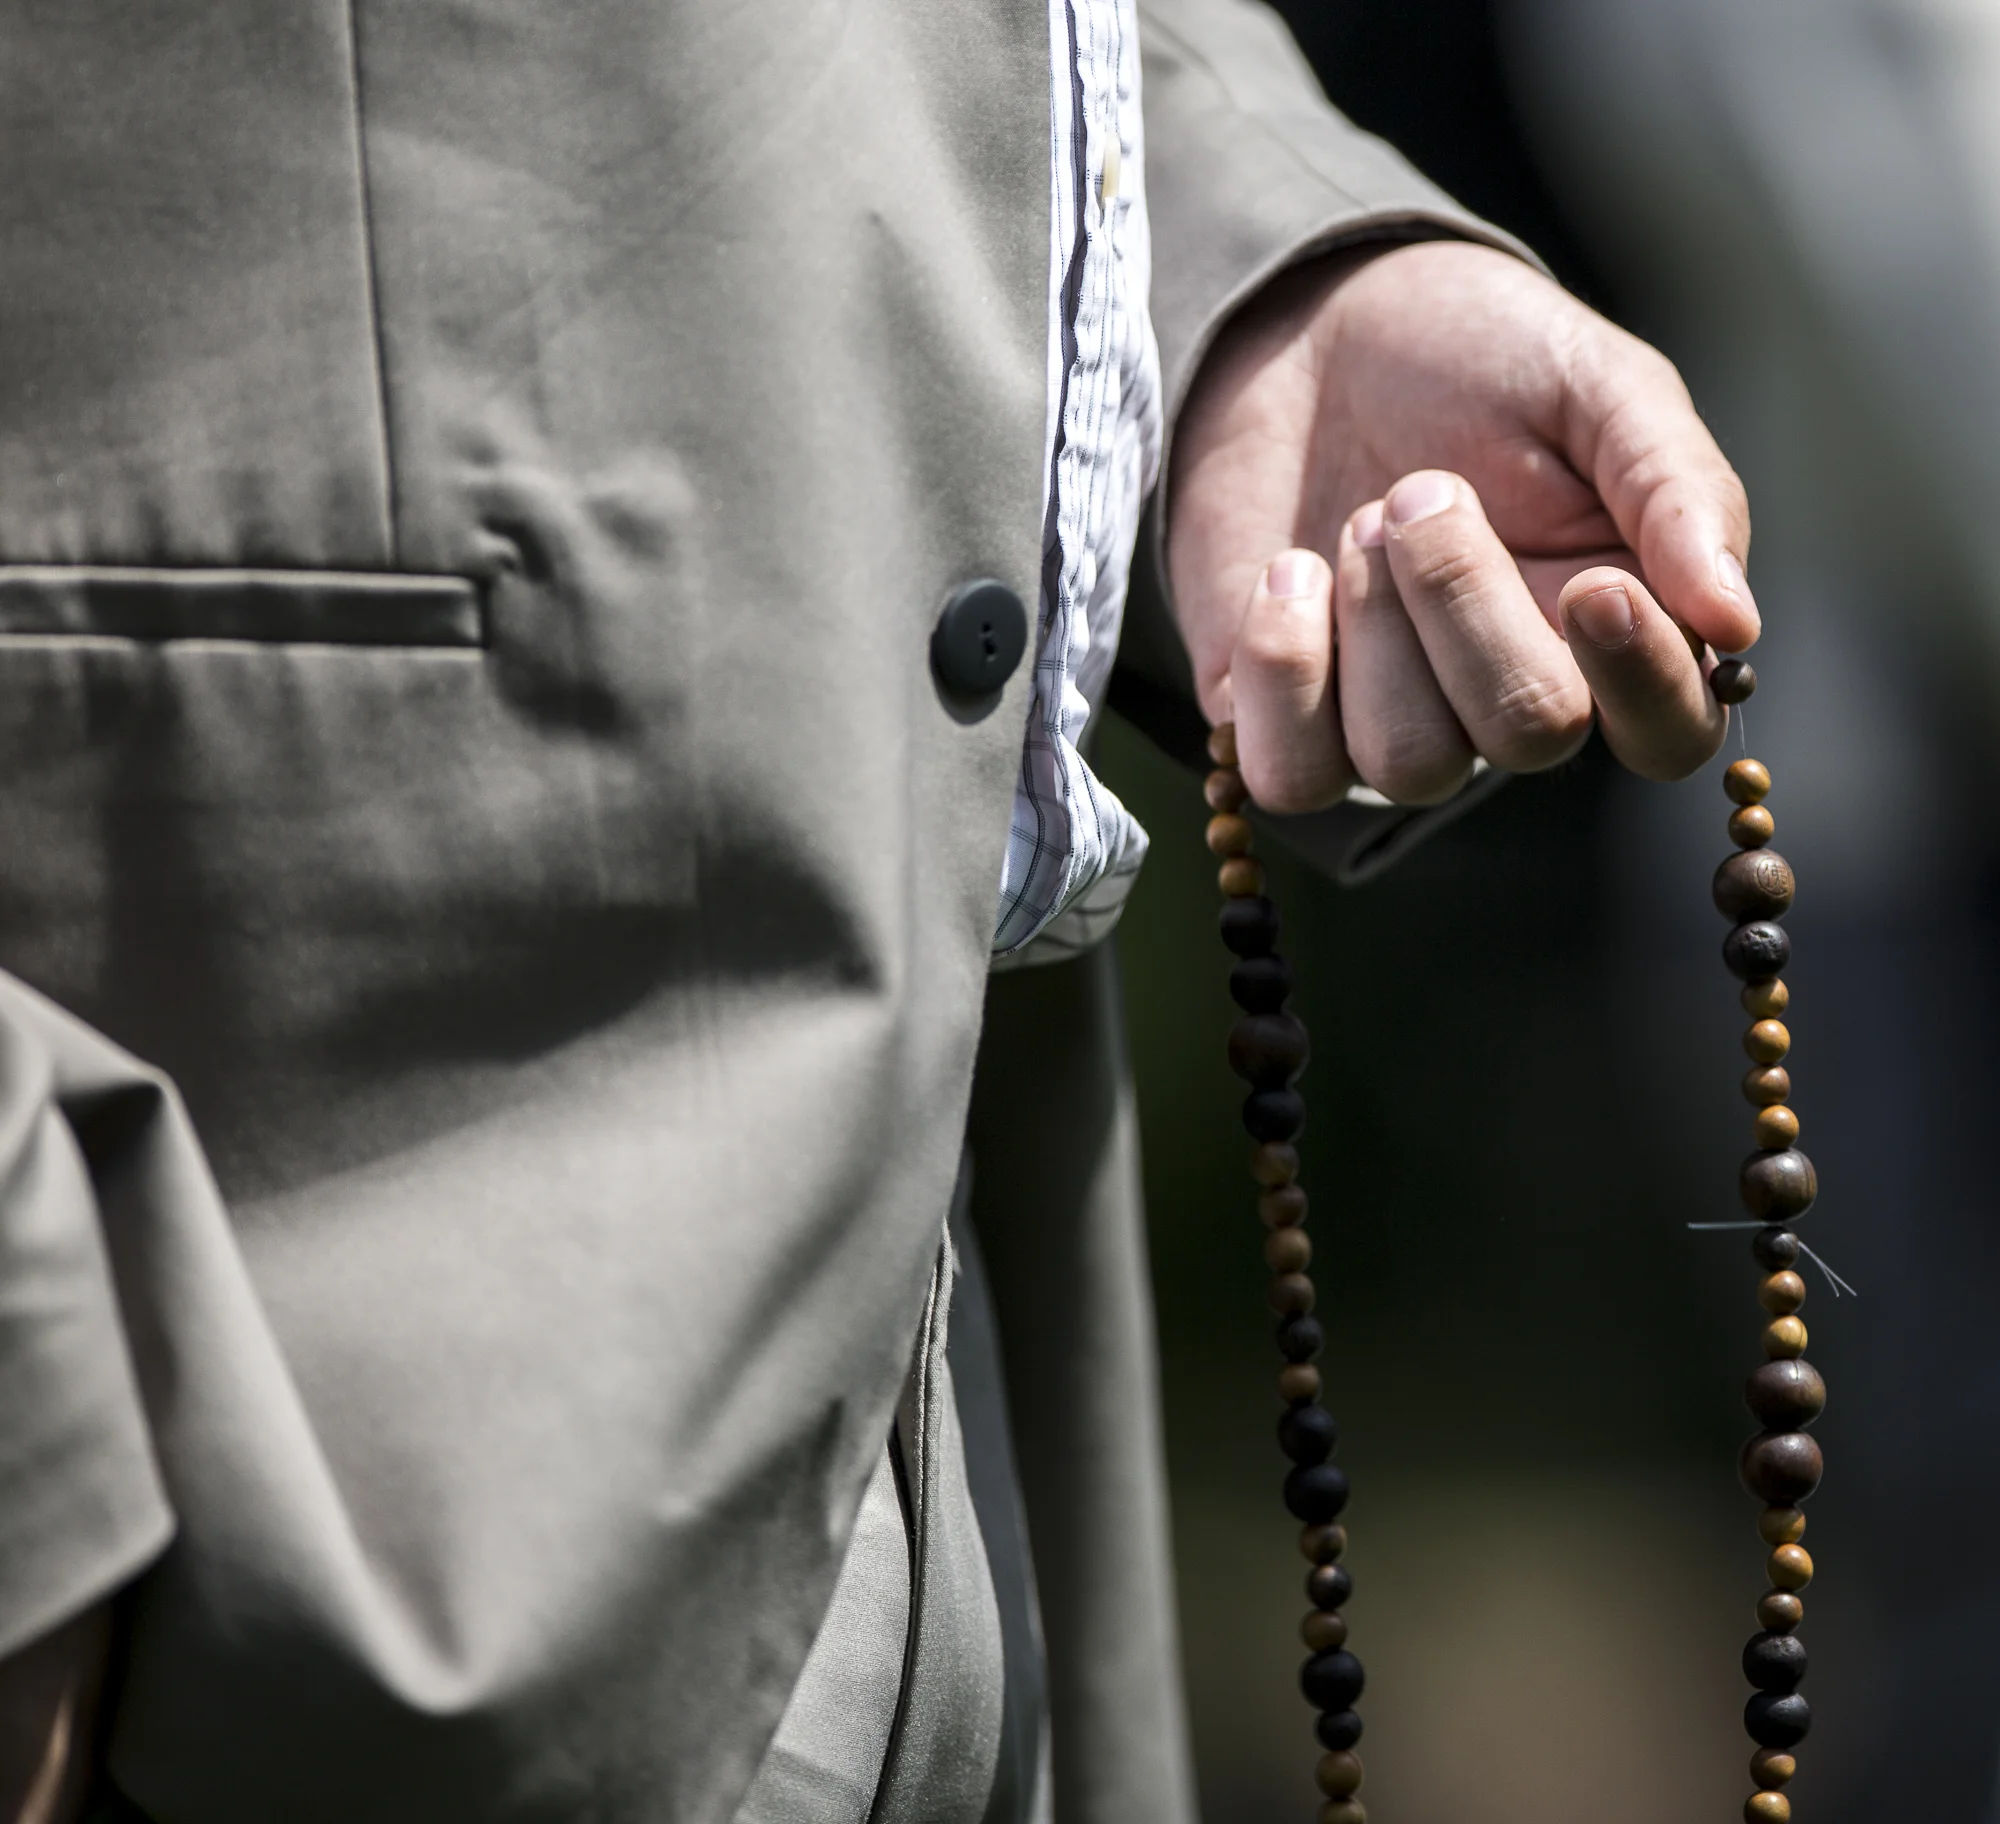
1781 1465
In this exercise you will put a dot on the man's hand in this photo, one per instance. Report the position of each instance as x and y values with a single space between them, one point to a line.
1518 503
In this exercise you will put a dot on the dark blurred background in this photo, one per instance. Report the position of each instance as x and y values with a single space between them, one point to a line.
1525 1085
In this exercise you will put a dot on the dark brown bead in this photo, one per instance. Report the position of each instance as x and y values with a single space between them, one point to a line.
1733 681
1775 1661
1288 1250
1240 876
1261 984
1274 1164
1328 1586
1322 1631
1783 1468
1781 1526
1768 1041
1777 1721
1339 1774
1323 1544
1307 1434
1298 1382
1282 1208
1222 744
1343 1811
1775 1248
1766 1000
1747 782
1338 1729
1753 884
1767 1085
1332 1681
1231 833
1779 1609
1771 1767
1250 926
1784 1338
1786 1395
1767 1808
1269 1049
1778 1186
1224 789
1274 1114
1790 1568
1316 1493
1775 1128
1300 1339
1756 951
1290 1294
1749 828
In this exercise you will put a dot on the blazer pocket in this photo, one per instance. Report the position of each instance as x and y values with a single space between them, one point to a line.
271 607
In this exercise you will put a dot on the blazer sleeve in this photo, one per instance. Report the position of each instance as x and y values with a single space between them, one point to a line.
1250 170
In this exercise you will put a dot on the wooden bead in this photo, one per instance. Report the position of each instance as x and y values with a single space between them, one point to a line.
1754 884
1322 1631
1338 1729
1288 1250
1222 744
1290 1295
1782 1294
1307 1434
1231 833
1323 1544
1733 681
1339 1774
1767 1041
1274 1164
1784 1336
1786 1395
1779 1609
1756 951
1343 1811
1261 984
1269 1049
1225 791
1332 1681
1751 827
1775 1249
1765 1000
1776 1721
1783 1468
1775 1128
1317 1493
1767 1808
1790 1568
1772 1767
1775 1661
1767 1085
1328 1586
1778 1186
1282 1208
1274 1114
1747 782
1300 1339
1298 1382
1240 876
1781 1526
1249 926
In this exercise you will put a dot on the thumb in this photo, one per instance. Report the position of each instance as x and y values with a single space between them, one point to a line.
1283 689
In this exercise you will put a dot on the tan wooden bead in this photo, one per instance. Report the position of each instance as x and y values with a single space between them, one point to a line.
1222 744
1224 789
1782 1294
1772 1767
1767 1808
1776 1127
1323 1544
1765 1000
1747 782
1240 877
1781 1526
1283 1208
1767 1085
1343 1811
1274 1163
1784 1339
1323 1630
1339 1774
1751 827
1780 1610
1291 1295
1298 1382
1790 1568
1288 1250
1767 1041
1230 833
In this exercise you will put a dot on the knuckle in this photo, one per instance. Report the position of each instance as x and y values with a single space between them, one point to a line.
1415 764
1535 722
1287 786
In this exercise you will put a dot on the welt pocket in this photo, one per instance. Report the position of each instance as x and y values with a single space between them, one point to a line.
263 607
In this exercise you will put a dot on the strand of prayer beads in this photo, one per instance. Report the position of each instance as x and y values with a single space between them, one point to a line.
1268 1048
1781 1465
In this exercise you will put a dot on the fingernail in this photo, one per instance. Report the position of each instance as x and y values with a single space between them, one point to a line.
1729 573
1368 529
1420 495
1293 574
1604 617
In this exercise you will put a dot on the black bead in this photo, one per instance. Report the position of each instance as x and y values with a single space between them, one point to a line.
1261 984
1269 1049
1755 952
1250 925
1775 1249
1316 1492
1332 1681
1307 1434
1778 1186
1300 1339
1338 1730
1775 1662
1777 1722
1753 884
1733 681
979 639
1274 1114
1781 1467
1328 1586
1786 1395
